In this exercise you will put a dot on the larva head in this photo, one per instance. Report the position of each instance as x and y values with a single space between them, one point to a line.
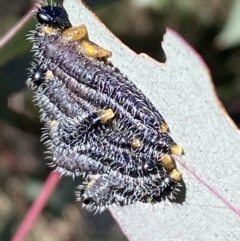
54 17
37 76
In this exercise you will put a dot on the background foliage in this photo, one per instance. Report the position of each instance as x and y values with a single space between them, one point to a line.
210 26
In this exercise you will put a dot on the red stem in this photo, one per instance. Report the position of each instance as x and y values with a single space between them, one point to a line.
4 40
37 207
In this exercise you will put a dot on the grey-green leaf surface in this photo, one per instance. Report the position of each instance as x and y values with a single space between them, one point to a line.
183 92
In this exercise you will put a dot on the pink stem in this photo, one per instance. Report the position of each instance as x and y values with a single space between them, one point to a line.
4 40
37 207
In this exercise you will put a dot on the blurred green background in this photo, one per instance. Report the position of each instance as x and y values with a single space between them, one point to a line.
210 26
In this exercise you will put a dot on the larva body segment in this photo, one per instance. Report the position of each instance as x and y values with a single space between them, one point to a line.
98 122
103 190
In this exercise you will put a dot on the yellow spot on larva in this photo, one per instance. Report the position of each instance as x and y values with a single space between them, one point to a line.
48 30
168 162
54 124
164 128
136 143
75 33
177 150
93 50
176 175
49 75
106 115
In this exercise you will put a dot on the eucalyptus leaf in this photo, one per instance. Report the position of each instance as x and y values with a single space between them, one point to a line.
182 91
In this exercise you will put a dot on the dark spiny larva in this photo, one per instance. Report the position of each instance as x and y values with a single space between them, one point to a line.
98 122
101 145
103 190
